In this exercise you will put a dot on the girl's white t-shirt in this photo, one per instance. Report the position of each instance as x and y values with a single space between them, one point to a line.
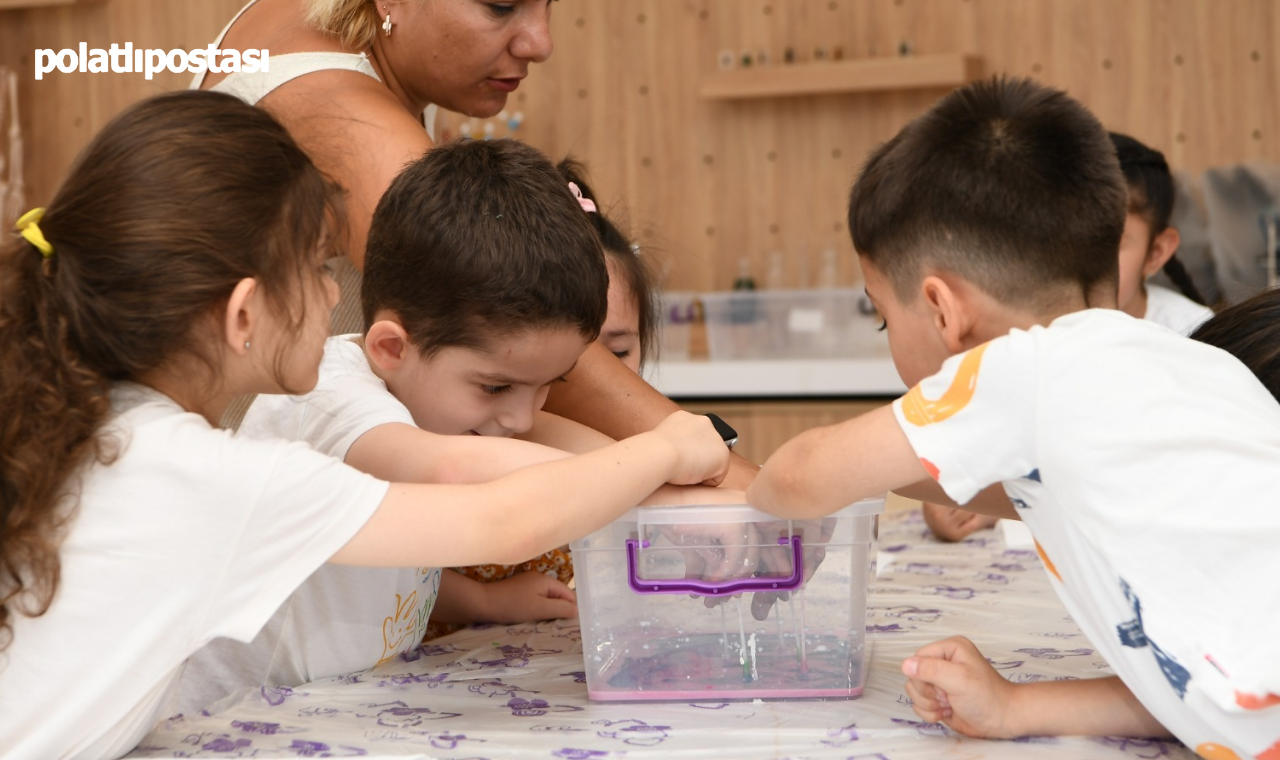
1144 465
342 619
190 534
1174 310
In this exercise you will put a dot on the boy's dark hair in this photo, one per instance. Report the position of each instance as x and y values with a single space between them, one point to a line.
1151 196
479 238
626 260
1249 331
1009 184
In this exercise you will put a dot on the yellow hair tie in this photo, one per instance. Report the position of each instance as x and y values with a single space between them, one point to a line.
29 228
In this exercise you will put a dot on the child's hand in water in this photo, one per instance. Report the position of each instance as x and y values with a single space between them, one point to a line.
777 560
950 681
528 597
715 552
701 456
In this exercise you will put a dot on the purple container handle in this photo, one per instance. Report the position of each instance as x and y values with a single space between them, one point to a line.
708 588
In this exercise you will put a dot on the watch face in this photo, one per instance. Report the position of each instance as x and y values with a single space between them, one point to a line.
727 433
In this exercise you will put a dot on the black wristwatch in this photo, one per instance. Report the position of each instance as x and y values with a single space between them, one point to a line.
727 433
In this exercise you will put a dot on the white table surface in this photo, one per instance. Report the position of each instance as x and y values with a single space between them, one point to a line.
518 692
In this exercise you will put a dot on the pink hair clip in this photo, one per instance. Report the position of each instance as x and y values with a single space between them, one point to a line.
587 204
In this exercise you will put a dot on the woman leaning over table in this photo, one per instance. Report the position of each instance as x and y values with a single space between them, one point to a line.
350 80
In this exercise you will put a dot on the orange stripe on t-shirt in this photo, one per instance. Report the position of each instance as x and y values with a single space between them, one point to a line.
1048 563
920 411
1254 702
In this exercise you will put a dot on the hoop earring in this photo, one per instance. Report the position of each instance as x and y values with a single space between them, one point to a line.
386 24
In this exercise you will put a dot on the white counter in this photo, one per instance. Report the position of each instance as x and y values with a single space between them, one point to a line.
796 378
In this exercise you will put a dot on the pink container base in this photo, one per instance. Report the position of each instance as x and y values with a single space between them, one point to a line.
721 695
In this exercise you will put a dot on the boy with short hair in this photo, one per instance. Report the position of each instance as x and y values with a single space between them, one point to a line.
1141 461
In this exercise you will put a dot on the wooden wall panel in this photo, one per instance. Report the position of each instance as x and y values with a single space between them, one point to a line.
704 183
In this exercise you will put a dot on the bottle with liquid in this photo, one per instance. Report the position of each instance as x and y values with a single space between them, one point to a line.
744 281
743 310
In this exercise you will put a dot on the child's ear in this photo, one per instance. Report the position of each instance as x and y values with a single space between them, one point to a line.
949 311
387 344
241 316
1162 249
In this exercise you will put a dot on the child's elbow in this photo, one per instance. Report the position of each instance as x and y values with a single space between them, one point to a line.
780 490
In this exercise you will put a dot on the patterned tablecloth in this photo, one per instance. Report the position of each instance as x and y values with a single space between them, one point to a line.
519 691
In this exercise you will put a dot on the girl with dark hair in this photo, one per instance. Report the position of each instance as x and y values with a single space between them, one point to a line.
180 265
630 329
1150 245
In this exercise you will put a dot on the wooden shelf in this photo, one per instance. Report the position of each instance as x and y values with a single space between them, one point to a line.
866 75
19 5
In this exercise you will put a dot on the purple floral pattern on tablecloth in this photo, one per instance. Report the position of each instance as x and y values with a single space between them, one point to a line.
518 692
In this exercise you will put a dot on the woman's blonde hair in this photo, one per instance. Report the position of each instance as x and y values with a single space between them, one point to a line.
353 22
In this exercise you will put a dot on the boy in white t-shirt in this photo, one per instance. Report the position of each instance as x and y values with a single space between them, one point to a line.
1148 245
1141 461
479 294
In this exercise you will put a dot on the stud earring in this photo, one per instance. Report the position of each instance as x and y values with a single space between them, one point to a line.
246 345
386 24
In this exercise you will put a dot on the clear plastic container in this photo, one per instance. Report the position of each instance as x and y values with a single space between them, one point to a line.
662 619
676 311
826 323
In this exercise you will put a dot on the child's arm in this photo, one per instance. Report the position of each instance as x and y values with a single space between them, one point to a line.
566 435
523 514
561 433
518 599
953 523
950 681
605 395
406 454
826 468
991 501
